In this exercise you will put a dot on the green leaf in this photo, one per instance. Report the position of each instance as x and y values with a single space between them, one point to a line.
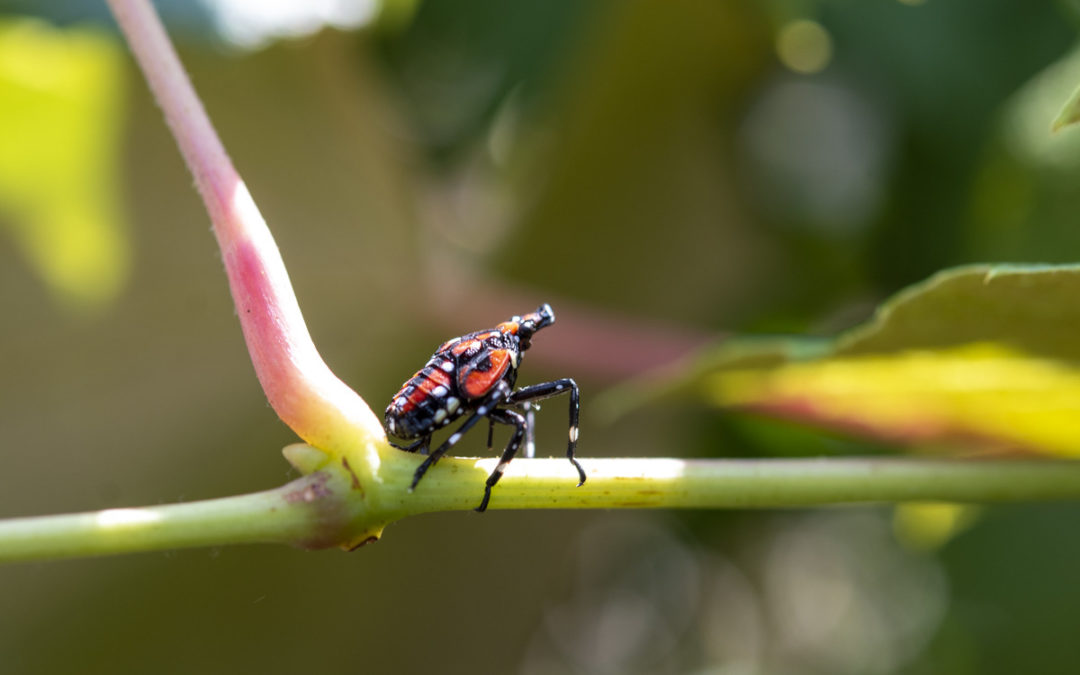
1070 112
61 116
1030 307
979 357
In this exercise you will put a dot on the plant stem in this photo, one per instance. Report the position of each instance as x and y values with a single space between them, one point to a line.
303 391
315 511
300 513
752 483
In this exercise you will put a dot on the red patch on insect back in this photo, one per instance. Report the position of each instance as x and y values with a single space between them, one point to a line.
463 347
416 396
475 383
433 381
508 327
439 377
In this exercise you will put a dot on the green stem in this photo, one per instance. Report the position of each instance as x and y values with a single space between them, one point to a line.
336 506
755 483
303 513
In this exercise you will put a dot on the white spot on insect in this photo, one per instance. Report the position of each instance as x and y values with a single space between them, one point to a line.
573 434
392 425
482 410
514 358
400 401
501 467
447 366
452 405
558 387
440 416
454 438
440 391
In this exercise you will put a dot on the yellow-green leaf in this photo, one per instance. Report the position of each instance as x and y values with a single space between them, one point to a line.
981 394
984 357
60 121
926 526
1070 112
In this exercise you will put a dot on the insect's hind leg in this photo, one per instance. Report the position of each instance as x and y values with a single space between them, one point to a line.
539 392
504 417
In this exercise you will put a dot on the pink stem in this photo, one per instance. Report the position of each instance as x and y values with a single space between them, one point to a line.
303 391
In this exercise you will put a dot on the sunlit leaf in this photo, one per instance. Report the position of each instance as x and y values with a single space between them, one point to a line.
1070 112
1031 308
980 356
1028 117
979 394
926 526
60 119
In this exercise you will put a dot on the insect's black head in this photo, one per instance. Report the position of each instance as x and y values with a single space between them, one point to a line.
530 323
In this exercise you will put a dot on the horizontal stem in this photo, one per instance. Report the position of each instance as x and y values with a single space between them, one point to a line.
297 513
330 507
751 483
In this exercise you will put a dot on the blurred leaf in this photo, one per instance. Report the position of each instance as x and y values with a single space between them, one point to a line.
1070 112
1030 307
977 395
685 377
1028 118
926 526
979 356
60 116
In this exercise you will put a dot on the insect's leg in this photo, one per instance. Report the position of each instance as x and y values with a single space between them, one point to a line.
420 445
497 396
530 429
539 392
491 433
505 417
430 460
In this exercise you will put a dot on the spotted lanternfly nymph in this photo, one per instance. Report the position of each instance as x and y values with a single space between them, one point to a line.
474 375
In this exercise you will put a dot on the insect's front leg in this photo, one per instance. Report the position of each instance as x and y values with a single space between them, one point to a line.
539 392
530 428
505 417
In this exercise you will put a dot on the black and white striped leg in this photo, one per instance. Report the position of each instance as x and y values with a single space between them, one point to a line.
420 445
435 456
530 429
505 417
496 397
528 448
539 392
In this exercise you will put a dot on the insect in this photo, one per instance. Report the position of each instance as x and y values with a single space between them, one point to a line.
474 375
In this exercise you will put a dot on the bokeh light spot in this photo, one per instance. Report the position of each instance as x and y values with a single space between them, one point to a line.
804 46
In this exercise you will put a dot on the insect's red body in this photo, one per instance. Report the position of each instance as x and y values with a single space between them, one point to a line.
475 374
460 372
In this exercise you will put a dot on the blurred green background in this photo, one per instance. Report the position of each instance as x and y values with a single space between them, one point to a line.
663 173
